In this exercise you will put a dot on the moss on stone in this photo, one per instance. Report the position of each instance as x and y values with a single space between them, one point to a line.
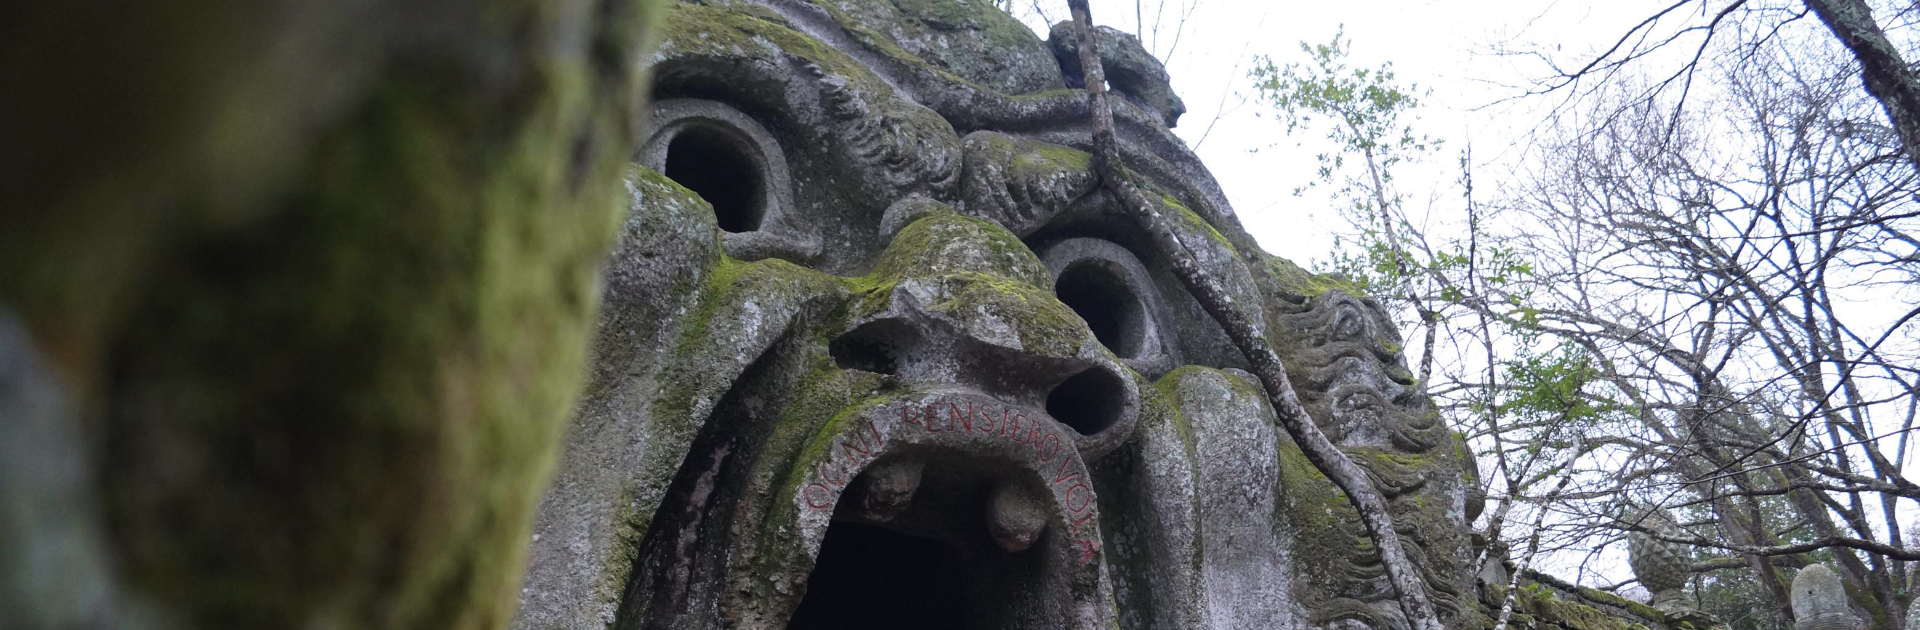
1390 458
1002 30
337 407
1637 608
729 285
1167 392
1195 223
734 30
927 19
826 401
1042 324
1538 606
1045 158
654 184
1031 159
1327 523
946 243
882 44
1290 278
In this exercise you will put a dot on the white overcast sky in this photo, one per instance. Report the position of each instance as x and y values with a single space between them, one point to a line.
1445 46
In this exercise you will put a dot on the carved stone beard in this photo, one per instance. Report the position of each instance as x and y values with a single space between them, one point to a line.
1352 378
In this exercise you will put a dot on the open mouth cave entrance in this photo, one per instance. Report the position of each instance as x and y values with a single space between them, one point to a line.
934 566
870 578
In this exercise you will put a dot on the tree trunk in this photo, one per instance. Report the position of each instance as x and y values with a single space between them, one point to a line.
1886 74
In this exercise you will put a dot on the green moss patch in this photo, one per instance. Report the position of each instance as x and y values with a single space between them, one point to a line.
948 243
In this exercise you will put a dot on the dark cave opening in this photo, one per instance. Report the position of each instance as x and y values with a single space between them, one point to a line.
876 346
1089 402
1098 293
715 165
871 578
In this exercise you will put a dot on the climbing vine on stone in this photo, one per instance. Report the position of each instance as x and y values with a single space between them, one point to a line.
1233 318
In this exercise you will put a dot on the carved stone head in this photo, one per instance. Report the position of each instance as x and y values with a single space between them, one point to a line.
878 352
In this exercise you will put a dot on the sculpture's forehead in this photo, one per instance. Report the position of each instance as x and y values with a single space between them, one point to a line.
806 122
969 40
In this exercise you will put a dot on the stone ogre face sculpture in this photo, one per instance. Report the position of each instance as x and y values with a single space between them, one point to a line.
877 352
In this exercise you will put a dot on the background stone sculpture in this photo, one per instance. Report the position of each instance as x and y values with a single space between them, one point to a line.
1820 601
1660 565
286 336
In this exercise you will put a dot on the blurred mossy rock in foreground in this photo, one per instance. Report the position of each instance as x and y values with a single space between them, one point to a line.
294 300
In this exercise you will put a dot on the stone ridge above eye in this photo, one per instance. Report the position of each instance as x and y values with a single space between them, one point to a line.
945 243
972 40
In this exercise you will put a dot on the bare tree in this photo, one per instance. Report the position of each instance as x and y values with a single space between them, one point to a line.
1886 74
1692 27
1729 298
1701 297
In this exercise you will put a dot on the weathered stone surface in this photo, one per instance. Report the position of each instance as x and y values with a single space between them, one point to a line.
1132 71
1660 565
287 333
1820 601
881 354
968 38
1020 183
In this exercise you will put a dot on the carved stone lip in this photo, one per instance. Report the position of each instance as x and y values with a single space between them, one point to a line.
1011 446
951 422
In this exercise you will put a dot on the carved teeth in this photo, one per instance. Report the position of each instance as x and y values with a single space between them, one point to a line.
889 488
1015 517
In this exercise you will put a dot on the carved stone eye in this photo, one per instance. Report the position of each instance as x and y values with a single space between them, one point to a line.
715 164
724 156
1110 289
1097 291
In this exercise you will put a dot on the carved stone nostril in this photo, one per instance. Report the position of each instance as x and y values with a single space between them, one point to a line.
888 488
1089 402
877 346
1015 517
